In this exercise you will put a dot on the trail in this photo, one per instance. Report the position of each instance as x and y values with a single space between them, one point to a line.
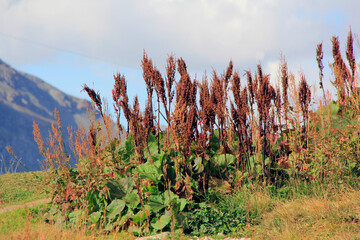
29 204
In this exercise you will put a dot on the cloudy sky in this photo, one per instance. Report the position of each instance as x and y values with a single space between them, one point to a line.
71 42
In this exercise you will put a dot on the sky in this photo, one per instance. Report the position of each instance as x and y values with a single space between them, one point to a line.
68 43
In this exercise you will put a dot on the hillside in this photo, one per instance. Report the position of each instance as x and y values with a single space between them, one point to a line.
24 99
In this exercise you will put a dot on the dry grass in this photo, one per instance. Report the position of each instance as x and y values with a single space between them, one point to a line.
49 232
336 217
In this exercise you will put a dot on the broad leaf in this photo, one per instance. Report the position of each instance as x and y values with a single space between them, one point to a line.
94 217
115 208
132 199
141 216
149 171
162 222
198 165
156 202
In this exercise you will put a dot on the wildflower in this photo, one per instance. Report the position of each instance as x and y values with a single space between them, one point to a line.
342 139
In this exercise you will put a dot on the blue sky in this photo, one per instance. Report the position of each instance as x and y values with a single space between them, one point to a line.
69 43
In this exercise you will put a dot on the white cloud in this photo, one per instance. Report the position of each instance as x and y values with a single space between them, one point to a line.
206 33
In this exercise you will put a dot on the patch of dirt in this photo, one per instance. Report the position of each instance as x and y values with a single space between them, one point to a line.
29 204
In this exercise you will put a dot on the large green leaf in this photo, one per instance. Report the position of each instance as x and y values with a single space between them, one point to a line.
156 202
161 223
152 143
115 208
94 217
140 217
198 165
221 159
170 197
76 214
132 199
125 218
218 162
149 171
183 203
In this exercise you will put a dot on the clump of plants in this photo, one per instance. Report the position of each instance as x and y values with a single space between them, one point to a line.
222 134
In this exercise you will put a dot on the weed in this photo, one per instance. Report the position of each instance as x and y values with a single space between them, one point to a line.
262 137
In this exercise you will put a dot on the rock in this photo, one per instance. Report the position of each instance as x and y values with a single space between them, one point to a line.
161 236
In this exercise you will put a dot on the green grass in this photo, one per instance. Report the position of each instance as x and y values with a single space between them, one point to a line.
306 211
19 188
20 219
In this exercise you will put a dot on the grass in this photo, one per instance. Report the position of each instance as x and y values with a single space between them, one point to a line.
336 217
307 211
28 223
19 188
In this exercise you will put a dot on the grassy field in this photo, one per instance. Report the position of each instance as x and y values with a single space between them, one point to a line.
19 188
305 212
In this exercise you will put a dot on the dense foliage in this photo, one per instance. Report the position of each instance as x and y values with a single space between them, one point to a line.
221 135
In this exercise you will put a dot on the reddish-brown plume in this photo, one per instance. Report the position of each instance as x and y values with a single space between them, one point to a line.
116 94
122 97
340 70
319 58
351 58
169 81
304 97
285 86
263 95
95 97
137 129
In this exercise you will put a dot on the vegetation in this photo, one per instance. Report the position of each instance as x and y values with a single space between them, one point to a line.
19 188
247 159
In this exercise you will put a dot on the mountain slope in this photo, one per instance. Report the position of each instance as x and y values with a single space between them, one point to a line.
24 99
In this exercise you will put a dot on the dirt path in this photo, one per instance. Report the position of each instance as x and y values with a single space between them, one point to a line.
29 204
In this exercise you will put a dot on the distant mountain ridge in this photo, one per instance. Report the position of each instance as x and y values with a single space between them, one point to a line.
25 98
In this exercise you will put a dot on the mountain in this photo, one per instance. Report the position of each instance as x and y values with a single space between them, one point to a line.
24 99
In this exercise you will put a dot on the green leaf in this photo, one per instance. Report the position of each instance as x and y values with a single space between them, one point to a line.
132 199
125 218
229 158
156 202
152 143
183 203
149 171
75 214
198 165
109 227
153 189
162 222
115 208
252 161
94 217
267 161
140 217
170 198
